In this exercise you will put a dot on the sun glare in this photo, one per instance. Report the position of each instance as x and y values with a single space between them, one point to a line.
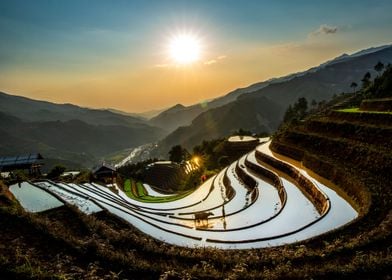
185 49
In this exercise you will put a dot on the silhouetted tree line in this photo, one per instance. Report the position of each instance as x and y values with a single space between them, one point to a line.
297 111
366 80
178 154
381 87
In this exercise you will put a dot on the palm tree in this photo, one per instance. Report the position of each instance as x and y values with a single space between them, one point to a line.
354 86
379 67
366 80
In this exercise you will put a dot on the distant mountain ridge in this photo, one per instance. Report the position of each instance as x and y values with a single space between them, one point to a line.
253 114
330 78
68 134
176 116
37 110
144 115
180 115
318 83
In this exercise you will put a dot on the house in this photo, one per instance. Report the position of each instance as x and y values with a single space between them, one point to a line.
105 173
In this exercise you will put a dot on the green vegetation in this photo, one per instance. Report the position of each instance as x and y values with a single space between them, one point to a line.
136 191
215 154
349 110
357 110
212 156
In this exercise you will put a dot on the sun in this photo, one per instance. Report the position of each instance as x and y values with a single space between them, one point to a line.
185 49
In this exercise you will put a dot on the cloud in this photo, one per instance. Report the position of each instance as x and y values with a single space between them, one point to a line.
324 29
215 60
163 65
209 62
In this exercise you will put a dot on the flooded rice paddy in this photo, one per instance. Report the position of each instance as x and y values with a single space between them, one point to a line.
225 212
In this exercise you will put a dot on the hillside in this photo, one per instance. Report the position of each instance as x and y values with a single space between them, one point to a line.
333 78
180 115
352 149
224 121
73 143
318 84
36 110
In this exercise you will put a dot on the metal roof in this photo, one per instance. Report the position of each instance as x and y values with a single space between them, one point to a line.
20 160
104 166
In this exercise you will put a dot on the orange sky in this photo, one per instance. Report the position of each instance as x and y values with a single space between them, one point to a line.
154 85
115 54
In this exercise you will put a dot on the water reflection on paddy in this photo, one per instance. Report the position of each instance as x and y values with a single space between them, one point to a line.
34 199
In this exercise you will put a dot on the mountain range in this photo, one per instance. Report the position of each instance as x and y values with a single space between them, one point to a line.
251 108
80 137
68 134
180 115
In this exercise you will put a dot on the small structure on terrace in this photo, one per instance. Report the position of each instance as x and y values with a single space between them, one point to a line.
105 173
241 144
30 162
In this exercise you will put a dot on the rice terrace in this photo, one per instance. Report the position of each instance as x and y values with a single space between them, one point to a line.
249 202
156 174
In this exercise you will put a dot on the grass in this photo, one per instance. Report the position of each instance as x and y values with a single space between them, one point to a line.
136 191
356 110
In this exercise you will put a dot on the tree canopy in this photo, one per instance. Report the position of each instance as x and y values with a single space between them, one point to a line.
297 111
56 172
178 153
379 67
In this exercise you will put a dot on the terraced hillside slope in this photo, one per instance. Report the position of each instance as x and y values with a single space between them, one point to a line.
352 149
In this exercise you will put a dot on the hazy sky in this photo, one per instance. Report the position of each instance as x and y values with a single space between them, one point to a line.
102 53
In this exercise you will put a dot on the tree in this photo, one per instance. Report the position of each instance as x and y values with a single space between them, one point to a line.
379 67
242 132
289 114
366 80
301 107
56 172
178 153
296 112
354 86
19 176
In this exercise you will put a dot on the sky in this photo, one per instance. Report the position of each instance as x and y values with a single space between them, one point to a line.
114 54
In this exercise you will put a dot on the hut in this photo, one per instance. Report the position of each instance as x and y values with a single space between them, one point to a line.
105 173
239 145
